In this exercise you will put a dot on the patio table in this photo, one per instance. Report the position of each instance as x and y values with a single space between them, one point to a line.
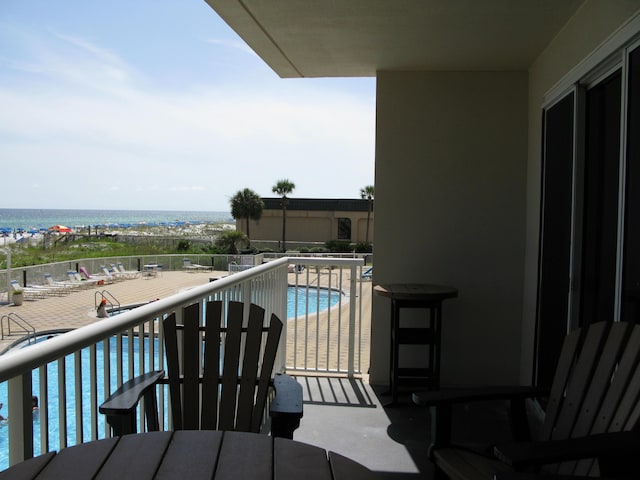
415 295
192 455
151 270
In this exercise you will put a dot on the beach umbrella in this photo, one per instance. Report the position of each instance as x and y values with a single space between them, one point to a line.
33 230
59 228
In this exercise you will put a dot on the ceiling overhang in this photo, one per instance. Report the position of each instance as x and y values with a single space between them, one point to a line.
357 38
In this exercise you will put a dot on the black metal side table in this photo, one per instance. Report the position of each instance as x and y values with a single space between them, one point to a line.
415 295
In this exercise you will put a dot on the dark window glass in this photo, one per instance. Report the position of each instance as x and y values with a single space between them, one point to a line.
601 180
344 229
631 259
555 236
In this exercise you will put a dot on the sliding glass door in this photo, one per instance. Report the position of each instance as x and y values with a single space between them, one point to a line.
630 291
589 261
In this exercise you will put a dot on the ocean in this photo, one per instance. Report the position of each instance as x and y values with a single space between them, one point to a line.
34 219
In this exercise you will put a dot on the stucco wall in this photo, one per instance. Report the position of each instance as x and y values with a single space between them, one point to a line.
307 226
451 150
582 36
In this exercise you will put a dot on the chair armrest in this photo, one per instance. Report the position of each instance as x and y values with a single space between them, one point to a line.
542 476
467 395
608 448
129 394
286 408
441 404
121 405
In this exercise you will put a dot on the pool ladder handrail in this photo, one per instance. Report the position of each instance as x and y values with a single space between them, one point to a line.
112 301
20 322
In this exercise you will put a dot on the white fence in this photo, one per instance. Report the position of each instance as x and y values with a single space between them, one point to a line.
76 371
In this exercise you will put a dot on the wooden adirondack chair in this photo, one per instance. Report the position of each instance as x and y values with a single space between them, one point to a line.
591 418
223 380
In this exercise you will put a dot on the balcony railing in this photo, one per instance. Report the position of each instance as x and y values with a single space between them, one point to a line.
73 373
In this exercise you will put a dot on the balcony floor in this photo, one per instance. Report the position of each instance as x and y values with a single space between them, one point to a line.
347 416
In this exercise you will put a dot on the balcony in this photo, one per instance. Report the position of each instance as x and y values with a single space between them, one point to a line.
328 353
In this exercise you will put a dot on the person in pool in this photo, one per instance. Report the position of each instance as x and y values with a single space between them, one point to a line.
102 309
3 420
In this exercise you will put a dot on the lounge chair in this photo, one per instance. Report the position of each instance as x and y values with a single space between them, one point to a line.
46 290
99 279
192 267
367 274
30 293
113 274
75 278
51 289
67 286
131 273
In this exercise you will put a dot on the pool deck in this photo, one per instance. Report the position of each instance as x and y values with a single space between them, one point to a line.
77 309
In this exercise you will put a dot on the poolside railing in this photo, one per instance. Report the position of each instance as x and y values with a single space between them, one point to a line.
325 342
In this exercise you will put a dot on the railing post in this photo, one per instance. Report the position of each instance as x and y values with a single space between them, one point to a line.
352 320
21 426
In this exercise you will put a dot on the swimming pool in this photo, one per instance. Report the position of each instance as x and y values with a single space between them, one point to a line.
297 304
317 300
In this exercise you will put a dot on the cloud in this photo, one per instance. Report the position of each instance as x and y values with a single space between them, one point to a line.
233 44
84 117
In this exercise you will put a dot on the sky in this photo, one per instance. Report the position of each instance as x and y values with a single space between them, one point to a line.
159 105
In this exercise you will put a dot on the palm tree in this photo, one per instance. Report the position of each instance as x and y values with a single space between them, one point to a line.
230 240
247 204
282 188
368 193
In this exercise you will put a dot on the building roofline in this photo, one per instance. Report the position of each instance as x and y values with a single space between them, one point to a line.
323 204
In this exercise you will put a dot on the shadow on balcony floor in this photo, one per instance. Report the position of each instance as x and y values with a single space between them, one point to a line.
348 417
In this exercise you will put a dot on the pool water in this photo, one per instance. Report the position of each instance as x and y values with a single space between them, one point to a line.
54 400
318 300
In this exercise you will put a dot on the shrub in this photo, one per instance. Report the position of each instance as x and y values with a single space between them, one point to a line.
339 246
363 247
184 246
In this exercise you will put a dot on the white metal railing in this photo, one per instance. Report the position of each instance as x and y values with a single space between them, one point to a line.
19 323
76 371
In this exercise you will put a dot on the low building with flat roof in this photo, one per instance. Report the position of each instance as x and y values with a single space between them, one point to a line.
312 220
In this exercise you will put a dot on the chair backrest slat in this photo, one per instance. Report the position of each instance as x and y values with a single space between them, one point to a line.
579 382
173 369
596 388
600 395
269 358
604 394
228 391
627 415
249 374
211 374
563 371
191 345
